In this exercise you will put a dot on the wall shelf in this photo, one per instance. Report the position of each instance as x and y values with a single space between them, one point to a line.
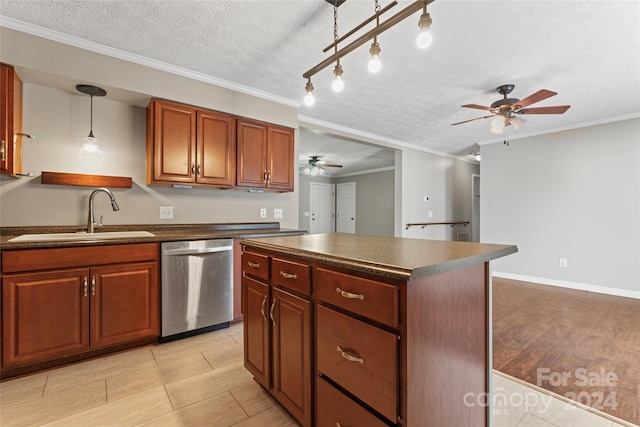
424 224
61 178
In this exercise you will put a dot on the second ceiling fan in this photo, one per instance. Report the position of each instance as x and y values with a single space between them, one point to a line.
315 166
505 110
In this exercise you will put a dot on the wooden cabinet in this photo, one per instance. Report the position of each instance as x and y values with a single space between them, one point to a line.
278 332
388 348
265 156
10 121
190 146
63 302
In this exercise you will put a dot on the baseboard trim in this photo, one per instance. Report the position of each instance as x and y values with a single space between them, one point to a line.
570 285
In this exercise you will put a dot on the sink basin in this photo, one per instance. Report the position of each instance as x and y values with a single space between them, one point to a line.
81 236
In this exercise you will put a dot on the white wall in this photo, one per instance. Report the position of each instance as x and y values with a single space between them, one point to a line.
60 120
446 182
573 195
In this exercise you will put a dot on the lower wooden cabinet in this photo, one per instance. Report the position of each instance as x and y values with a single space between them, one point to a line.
57 313
278 339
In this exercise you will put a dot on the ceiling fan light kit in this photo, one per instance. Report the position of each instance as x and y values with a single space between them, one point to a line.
505 111
423 41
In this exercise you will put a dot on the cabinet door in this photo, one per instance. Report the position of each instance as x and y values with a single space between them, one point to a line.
280 158
255 298
291 323
252 153
124 303
44 316
216 143
10 121
173 142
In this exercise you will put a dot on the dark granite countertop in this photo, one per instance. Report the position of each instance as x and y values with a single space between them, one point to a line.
161 233
392 257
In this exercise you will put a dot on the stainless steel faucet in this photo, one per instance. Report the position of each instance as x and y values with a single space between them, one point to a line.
90 221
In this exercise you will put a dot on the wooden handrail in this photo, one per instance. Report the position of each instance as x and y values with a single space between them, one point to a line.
424 224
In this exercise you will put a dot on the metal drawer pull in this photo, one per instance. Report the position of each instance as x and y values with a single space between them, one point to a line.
338 424
85 286
349 294
253 264
273 304
288 275
93 285
349 357
264 301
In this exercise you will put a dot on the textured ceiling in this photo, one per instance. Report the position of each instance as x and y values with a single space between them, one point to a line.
587 51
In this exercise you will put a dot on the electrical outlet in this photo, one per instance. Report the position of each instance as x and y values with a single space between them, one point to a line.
263 212
166 212
563 262
277 213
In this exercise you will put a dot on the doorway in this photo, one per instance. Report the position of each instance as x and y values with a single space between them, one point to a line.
322 208
346 207
475 213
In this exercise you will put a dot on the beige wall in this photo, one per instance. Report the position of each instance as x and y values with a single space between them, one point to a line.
59 117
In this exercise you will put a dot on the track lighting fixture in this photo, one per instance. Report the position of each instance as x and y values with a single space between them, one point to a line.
424 36
338 83
309 99
374 65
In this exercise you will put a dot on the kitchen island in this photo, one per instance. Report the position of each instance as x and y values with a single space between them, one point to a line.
357 330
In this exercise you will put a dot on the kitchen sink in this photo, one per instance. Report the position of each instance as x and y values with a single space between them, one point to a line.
81 236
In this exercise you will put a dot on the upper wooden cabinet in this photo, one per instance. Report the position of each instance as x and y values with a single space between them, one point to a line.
189 145
10 121
265 155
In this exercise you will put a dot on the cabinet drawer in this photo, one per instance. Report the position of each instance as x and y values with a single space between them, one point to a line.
333 408
375 300
291 275
255 265
359 357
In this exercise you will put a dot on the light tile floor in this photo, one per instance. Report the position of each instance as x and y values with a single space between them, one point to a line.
201 381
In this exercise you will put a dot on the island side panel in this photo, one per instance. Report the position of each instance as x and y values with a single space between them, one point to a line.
447 360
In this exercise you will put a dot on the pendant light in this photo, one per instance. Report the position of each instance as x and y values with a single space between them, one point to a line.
424 38
90 149
338 84
374 64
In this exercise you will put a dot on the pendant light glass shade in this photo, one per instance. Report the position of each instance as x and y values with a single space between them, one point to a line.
90 149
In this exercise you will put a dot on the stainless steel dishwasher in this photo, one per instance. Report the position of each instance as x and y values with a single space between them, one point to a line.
197 287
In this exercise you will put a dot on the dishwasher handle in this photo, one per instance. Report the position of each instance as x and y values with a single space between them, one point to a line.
194 251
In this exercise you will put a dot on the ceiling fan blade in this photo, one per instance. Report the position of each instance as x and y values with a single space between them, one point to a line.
470 120
536 97
478 107
331 166
558 109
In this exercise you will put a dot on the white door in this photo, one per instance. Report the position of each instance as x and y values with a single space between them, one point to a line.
322 209
475 214
346 207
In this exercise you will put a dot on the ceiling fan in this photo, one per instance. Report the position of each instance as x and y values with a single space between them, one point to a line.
315 166
505 110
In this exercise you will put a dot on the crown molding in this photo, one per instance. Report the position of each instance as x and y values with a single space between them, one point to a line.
59 37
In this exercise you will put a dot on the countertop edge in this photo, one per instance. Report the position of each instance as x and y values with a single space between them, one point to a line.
170 233
383 270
